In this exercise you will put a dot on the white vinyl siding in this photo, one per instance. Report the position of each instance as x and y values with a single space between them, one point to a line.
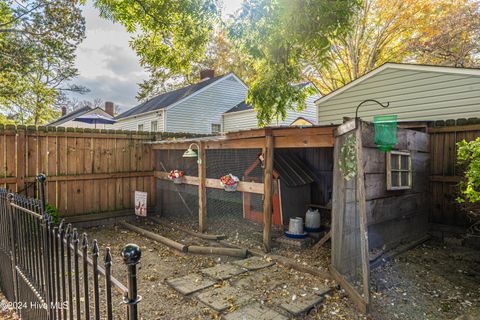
242 120
198 113
413 94
146 119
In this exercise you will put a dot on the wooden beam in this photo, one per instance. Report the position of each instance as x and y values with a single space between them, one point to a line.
202 190
280 132
351 292
346 127
267 199
363 214
253 143
305 141
81 177
302 138
243 186
246 134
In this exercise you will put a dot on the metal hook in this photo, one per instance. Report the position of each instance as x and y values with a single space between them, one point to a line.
370 100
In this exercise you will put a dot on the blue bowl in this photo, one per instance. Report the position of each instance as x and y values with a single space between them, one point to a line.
295 236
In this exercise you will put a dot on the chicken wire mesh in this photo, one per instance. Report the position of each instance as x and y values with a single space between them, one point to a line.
346 236
226 210
178 202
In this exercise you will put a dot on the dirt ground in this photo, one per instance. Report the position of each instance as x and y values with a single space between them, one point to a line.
431 281
159 263
7 312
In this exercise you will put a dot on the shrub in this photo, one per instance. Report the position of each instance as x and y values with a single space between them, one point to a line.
54 213
468 156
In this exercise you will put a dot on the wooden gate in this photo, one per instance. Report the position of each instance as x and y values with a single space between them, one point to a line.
349 222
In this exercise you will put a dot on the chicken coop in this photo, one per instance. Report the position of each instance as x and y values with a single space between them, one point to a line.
290 167
377 197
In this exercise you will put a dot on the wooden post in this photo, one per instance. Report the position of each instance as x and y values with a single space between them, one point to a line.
202 191
267 185
360 186
21 156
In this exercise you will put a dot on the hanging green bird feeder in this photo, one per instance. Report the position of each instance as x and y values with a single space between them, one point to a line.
385 131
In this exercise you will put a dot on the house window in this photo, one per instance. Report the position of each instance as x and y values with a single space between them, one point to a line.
154 126
216 128
399 170
140 127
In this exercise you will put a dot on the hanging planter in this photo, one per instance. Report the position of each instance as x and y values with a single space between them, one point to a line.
385 132
176 176
229 182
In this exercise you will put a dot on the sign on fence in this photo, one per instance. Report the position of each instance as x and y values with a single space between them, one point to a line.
141 203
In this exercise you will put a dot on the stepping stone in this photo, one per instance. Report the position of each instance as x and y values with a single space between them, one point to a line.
221 298
190 284
301 304
253 263
255 312
264 279
223 271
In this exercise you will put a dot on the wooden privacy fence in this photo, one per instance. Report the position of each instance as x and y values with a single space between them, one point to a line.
87 170
445 174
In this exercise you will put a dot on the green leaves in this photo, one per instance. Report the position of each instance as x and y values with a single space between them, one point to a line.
167 34
280 37
468 154
37 55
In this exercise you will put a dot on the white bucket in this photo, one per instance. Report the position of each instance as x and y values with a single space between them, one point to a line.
312 219
295 226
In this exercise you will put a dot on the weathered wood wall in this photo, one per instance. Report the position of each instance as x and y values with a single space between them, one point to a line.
445 174
400 215
88 171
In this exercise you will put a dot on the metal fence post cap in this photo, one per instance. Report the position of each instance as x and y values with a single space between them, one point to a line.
10 197
41 177
131 254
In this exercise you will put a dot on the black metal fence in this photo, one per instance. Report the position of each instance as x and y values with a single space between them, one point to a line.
48 270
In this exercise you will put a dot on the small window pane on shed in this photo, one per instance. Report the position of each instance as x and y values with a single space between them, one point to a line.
395 180
404 162
395 158
399 170
405 179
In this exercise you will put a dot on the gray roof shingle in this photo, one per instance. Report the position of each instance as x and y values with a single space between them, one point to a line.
166 99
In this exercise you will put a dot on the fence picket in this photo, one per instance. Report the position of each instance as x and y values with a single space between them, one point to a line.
36 264
85 276
77 275
68 237
96 293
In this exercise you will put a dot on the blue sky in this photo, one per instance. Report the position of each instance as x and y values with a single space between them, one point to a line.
106 63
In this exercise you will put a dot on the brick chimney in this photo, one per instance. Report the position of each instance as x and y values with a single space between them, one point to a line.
109 107
64 111
206 74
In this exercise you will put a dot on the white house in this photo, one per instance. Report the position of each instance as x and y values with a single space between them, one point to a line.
415 93
243 116
67 119
197 108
